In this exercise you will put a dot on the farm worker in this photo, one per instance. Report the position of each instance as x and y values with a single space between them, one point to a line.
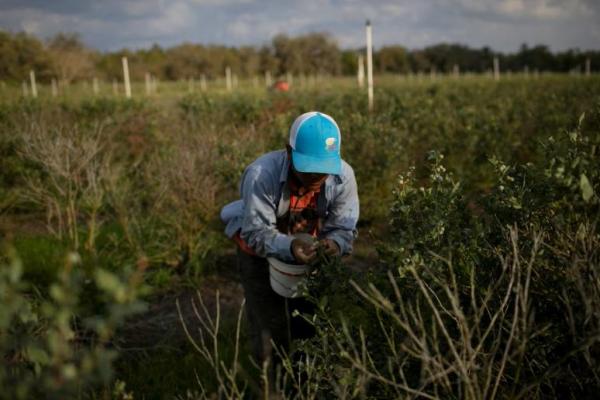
305 188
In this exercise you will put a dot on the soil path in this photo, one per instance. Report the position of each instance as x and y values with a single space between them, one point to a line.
161 325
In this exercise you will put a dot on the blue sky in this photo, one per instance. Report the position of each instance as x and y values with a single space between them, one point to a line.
500 24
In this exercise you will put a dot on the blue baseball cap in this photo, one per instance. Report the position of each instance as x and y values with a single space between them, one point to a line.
315 141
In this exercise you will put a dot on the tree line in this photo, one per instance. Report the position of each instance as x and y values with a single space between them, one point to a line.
67 58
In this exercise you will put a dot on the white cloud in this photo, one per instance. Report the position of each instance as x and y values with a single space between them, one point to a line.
220 2
502 24
261 25
538 9
140 8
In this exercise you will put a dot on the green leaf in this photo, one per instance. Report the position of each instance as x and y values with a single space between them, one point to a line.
587 191
107 281
16 270
38 356
581 118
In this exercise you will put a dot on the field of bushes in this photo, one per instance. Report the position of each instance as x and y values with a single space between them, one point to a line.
476 273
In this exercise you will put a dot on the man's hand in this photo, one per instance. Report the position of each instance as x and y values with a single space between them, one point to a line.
330 247
304 253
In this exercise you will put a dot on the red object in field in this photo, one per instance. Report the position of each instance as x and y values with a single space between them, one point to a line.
281 86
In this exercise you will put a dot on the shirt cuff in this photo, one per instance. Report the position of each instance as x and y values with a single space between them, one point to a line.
340 242
283 247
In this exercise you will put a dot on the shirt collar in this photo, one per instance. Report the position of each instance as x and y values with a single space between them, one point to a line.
285 169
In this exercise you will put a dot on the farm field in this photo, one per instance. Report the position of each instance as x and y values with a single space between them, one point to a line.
476 273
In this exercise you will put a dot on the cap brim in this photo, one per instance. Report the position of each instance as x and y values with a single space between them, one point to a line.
314 165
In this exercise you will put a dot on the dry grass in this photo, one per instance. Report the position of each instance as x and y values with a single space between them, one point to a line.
74 168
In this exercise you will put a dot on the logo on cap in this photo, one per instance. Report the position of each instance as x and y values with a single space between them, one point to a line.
330 144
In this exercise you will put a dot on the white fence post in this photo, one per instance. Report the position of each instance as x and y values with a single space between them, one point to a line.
369 63
147 83
154 85
54 87
360 73
228 84
95 86
33 84
126 77
496 69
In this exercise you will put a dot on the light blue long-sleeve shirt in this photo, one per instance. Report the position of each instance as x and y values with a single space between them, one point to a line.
255 215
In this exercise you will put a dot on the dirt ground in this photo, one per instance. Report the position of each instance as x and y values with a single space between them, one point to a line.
161 325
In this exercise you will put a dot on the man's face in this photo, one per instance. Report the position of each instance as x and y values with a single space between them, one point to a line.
310 181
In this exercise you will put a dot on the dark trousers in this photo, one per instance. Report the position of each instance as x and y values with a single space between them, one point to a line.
269 315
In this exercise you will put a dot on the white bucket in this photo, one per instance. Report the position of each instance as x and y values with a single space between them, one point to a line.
285 278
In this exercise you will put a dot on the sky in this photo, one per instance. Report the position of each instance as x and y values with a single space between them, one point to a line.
500 24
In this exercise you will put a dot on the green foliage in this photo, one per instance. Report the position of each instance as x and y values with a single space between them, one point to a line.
65 57
49 348
492 300
148 189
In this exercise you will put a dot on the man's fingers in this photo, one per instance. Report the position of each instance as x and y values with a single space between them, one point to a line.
330 247
308 251
331 251
304 252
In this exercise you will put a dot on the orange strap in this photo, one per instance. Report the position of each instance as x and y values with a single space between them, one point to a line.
243 245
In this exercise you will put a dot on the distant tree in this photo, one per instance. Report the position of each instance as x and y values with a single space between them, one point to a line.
307 54
109 65
267 60
419 61
249 61
349 61
392 59
153 60
185 61
71 59
21 53
65 56
538 57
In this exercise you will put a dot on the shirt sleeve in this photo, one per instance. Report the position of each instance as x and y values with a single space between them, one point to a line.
259 223
343 213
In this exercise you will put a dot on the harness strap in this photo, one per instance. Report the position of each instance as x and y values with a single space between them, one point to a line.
284 202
